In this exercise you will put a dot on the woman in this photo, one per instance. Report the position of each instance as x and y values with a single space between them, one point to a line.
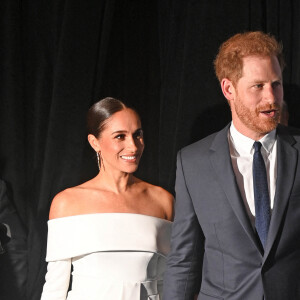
113 229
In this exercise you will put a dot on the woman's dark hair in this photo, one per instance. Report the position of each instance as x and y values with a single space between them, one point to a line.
100 112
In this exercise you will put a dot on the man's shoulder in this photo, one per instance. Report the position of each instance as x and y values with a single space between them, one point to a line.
202 146
289 131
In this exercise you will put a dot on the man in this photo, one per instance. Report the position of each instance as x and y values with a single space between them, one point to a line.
236 233
4 236
13 249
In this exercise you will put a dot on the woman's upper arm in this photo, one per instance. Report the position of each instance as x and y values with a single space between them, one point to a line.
60 205
57 280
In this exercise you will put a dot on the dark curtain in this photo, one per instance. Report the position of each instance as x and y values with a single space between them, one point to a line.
58 57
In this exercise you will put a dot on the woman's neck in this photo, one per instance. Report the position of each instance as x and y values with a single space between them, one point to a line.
117 182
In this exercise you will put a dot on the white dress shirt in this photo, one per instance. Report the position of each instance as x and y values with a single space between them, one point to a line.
241 152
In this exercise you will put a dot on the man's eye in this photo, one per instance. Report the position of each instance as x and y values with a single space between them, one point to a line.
276 84
259 86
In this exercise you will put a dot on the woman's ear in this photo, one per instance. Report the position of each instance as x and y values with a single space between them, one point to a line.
228 89
94 142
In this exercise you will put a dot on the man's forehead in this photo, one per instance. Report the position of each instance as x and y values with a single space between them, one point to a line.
254 62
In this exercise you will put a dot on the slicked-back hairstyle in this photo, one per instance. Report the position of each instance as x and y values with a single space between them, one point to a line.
229 60
100 112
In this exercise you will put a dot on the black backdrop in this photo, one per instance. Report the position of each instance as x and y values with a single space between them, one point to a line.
58 57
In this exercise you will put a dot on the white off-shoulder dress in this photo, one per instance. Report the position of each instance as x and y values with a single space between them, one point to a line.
115 256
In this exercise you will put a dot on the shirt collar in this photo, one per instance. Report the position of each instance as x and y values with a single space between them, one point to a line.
244 145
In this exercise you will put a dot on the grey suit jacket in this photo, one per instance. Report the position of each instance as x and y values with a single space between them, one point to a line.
215 251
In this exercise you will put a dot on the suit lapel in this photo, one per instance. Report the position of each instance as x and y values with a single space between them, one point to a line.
286 165
221 162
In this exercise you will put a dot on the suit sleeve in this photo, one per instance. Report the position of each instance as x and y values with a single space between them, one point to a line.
57 280
184 263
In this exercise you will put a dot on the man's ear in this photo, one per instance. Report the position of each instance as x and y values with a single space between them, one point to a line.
228 89
94 142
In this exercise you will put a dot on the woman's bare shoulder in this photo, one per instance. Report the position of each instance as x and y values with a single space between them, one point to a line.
162 197
67 202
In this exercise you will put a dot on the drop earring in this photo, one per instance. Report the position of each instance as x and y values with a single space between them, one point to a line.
99 160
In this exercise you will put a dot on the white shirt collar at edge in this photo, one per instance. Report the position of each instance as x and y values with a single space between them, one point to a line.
243 144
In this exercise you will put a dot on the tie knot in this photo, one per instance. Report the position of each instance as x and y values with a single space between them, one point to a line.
257 146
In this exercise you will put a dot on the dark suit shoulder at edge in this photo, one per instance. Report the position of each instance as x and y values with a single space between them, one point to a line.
288 129
202 144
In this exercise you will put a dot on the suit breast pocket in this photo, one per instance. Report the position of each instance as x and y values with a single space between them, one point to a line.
204 296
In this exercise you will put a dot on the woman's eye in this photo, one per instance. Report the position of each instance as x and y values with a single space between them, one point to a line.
120 136
139 134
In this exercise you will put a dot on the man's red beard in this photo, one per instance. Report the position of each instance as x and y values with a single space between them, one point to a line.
254 120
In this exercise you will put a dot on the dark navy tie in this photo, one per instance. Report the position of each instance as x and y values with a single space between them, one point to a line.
261 195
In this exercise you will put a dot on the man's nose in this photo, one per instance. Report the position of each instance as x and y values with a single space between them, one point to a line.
269 94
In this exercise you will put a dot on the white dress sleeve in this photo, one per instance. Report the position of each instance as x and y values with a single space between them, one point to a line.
75 236
57 280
